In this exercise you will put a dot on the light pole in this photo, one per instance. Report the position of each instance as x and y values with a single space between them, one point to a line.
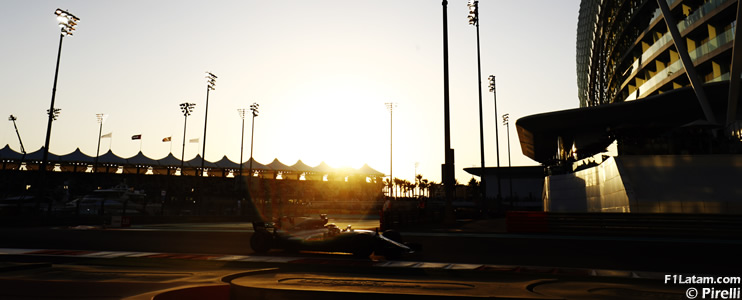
474 20
506 122
186 108
241 112
390 106
12 118
254 108
493 89
67 23
448 167
210 86
100 118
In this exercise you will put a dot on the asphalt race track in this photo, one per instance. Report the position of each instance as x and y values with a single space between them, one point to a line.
700 256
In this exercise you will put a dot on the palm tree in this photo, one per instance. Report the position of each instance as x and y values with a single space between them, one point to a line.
398 183
388 185
408 187
433 186
424 185
418 181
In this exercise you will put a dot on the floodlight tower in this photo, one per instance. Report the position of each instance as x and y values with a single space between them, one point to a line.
506 122
67 23
186 108
242 112
474 20
210 86
390 106
493 89
100 118
254 108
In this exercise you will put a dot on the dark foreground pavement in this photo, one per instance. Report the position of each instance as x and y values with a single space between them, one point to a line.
48 277
99 273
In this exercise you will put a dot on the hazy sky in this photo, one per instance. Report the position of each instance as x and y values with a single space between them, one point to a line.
320 70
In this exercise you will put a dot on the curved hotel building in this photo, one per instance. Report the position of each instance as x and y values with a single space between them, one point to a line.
660 78
626 51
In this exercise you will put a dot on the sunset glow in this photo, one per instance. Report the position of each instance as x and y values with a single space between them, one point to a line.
321 78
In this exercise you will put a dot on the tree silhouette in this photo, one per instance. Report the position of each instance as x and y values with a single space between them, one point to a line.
418 181
424 185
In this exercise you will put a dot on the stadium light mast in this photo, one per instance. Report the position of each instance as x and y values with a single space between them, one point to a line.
186 108
506 122
254 108
390 106
493 89
67 23
242 112
210 86
100 118
474 20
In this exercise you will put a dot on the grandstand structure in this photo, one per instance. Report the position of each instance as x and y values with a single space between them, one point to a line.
109 162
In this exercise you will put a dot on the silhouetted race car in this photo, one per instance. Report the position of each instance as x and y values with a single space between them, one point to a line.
318 235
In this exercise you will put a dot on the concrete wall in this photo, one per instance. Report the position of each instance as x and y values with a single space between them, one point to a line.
650 184
683 183
596 189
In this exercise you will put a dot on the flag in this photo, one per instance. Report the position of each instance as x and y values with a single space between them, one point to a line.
107 135
193 140
168 139
136 137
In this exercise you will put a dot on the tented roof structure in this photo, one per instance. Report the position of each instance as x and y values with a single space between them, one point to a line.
141 159
279 166
302 167
38 155
367 170
7 153
256 165
196 163
323 167
108 158
77 156
227 163
169 160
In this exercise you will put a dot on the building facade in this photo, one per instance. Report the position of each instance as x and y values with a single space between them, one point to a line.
625 50
660 79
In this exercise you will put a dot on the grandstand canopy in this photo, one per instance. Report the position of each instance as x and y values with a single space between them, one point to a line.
77 157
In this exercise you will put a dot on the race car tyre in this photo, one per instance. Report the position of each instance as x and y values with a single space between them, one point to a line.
362 245
260 242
